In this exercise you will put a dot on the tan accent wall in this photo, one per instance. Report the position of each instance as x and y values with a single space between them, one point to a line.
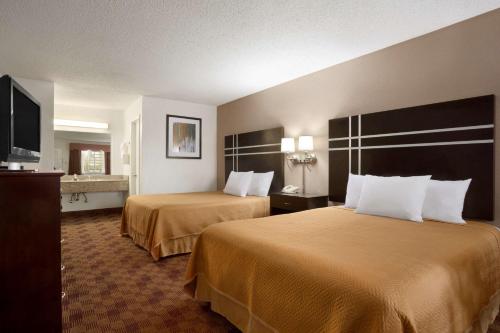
459 61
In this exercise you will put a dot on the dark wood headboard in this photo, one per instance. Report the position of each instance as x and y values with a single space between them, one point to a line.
257 151
451 141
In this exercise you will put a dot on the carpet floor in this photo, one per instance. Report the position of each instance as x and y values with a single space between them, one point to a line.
112 285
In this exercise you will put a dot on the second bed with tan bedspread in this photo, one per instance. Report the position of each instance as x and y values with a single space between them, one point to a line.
167 224
331 270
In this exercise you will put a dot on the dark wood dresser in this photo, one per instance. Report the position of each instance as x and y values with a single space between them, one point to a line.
30 252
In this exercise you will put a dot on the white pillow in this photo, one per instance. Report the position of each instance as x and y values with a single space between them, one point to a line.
445 200
260 184
238 183
397 197
354 185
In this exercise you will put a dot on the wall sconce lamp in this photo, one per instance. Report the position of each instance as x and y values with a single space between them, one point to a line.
288 145
306 147
307 156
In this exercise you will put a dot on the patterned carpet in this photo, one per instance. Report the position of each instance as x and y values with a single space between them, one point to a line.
113 286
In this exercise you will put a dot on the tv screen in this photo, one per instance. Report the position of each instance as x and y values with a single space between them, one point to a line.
26 122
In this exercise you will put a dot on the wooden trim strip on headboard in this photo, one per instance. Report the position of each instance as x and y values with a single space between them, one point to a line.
450 141
257 151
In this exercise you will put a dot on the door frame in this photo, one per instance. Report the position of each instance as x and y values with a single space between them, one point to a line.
135 157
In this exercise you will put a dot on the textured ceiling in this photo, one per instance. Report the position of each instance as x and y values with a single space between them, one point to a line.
103 53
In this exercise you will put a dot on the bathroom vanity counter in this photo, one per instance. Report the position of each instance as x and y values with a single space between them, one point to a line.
89 184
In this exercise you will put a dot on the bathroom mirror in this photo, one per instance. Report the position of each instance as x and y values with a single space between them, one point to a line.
82 153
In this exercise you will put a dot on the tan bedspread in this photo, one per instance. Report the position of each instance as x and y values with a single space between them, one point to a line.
331 270
167 224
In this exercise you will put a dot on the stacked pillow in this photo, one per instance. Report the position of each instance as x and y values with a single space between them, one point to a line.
238 183
248 183
354 186
408 198
445 200
260 184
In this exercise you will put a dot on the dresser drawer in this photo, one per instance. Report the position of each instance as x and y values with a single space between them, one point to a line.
288 203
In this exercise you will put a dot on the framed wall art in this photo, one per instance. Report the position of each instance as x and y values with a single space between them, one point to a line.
183 137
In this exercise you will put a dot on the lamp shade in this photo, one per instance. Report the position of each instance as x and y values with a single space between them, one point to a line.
306 143
287 145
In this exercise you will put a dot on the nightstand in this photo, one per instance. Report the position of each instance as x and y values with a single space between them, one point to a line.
283 203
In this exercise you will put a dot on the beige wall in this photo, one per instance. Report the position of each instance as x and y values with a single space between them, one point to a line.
176 175
459 61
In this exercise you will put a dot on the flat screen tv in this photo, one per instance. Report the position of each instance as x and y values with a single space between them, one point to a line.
19 123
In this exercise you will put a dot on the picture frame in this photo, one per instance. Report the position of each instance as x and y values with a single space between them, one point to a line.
183 137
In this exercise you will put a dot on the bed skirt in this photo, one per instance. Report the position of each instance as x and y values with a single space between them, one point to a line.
242 317
166 247
237 313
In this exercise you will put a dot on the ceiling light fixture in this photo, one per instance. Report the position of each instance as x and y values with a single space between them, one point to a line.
79 123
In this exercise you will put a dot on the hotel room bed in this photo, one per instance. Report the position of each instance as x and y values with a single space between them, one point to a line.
331 270
167 224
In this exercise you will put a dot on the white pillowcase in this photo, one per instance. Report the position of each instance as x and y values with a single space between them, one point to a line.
260 184
397 197
445 200
238 183
354 186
